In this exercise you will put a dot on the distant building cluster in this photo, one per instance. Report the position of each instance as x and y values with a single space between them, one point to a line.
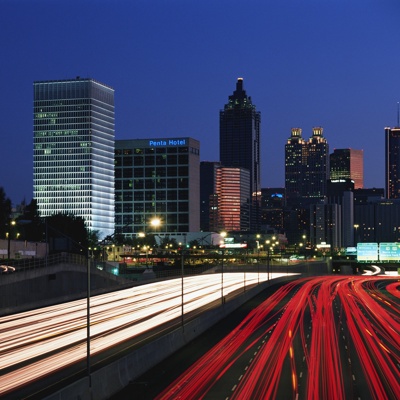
121 185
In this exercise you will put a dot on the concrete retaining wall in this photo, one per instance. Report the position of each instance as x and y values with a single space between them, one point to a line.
117 375
35 288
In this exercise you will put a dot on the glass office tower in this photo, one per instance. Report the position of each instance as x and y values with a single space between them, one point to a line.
306 166
348 163
295 165
157 179
73 171
239 142
392 163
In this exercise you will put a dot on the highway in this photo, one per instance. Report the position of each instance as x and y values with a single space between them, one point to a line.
330 337
39 343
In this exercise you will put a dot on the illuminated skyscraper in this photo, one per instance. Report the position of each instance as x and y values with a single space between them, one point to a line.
231 203
295 165
306 175
74 151
348 164
392 162
306 167
317 170
240 142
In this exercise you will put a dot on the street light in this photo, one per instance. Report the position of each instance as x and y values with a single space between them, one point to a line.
182 286
155 223
223 234
267 242
10 224
356 226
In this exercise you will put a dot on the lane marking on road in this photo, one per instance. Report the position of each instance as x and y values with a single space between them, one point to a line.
240 377
233 388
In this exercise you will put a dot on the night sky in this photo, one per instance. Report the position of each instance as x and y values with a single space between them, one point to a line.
173 64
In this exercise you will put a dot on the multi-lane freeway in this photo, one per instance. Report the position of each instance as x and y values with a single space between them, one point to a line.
315 338
330 337
41 342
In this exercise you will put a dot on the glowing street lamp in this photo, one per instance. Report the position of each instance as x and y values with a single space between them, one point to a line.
267 242
155 223
10 224
223 235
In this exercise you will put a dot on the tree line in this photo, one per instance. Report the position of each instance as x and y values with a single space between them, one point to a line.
63 231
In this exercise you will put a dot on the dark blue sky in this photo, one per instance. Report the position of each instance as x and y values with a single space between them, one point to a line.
173 64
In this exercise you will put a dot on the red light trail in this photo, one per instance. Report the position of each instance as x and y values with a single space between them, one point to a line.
328 327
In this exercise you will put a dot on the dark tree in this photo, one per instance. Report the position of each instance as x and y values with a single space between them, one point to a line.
30 225
5 213
67 232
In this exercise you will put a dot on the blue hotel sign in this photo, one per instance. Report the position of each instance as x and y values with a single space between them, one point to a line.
167 142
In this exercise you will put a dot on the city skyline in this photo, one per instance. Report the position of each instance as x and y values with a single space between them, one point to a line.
172 65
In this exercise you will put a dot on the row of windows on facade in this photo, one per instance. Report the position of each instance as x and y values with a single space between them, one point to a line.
71 190
93 118
63 104
70 112
148 150
157 160
65 143
77 175
78 191
151 195
77 153
74 147
42 171
104 213
49 113
79 197
43 123
171 159
72 126
158 184
83 134
51 161
176 172
39 153
151 206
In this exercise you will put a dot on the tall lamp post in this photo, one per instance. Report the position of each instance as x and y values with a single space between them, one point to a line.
88 364
10 224
267 242
182 286
155 223
356 226
223 235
